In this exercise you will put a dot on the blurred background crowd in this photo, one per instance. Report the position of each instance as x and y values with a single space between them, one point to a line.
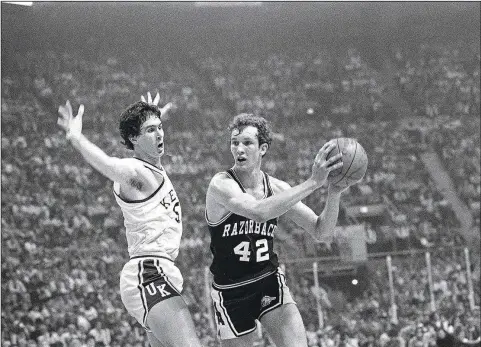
407 87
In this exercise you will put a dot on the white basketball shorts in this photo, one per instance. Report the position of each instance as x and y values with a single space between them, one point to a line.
146 281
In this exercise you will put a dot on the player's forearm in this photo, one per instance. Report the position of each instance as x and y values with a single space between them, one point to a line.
92 154
279 203
327 220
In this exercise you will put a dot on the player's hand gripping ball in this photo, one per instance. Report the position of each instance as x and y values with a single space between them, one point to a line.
354 160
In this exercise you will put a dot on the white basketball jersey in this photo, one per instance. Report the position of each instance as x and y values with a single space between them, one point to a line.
153 225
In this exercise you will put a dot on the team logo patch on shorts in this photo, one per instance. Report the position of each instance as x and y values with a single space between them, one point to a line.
266 300
155 285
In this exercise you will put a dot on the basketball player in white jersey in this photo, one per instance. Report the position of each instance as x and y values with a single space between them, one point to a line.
244 208
150 283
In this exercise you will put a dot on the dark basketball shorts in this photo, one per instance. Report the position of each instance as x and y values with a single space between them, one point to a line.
237 309
146 281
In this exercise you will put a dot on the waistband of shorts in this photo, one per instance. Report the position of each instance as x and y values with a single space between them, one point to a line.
243 283
151 256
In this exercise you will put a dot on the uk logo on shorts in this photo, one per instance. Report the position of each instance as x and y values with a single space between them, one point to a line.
154 284
152 290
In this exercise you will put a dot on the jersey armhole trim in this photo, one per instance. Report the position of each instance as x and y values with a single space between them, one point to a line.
141 200
216 223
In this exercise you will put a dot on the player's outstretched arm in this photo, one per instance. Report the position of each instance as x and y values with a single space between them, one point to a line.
320 227
226 192
113 168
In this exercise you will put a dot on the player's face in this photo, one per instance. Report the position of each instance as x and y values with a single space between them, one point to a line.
245 148
151 137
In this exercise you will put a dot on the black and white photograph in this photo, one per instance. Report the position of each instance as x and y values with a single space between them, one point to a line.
240 174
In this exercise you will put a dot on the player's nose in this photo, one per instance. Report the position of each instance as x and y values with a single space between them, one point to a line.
240 149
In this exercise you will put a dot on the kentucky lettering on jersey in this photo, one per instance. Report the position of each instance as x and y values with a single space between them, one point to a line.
153 226
242 248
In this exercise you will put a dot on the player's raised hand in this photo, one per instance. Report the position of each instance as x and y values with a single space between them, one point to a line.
163 110
68 122
322 166
149 100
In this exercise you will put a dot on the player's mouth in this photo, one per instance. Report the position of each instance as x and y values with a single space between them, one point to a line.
160 146
241 160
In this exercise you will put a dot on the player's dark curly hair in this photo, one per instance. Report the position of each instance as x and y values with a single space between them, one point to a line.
248 119
132 119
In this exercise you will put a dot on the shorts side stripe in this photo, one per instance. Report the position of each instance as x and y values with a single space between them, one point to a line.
159 269
141 288
231 325
226 315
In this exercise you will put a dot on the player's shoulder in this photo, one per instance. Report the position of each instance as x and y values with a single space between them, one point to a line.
221 181
132 162
219 178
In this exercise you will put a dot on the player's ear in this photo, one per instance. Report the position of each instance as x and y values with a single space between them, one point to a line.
264 147
133 139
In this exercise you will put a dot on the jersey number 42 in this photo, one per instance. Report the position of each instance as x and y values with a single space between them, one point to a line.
262 250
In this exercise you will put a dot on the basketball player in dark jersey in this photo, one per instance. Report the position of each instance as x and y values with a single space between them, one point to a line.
244 208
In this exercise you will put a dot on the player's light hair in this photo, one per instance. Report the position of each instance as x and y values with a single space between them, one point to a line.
248 119
132 119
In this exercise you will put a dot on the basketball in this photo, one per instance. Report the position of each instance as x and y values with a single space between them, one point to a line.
354 159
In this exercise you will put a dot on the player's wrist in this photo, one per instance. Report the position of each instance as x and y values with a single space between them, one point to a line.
73 137
333 189
314 184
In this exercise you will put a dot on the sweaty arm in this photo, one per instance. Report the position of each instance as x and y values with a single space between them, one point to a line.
116 169
225 191
320 227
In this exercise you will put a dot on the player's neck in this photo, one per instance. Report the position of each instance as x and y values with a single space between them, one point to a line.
155 161
250 179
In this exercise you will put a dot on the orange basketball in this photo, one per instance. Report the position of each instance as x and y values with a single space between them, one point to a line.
354 160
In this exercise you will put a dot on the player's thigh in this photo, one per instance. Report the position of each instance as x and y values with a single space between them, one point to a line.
171 323
242 341
285 327
154 342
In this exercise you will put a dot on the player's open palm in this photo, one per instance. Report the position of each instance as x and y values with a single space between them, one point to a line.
68 122
322 166
155 101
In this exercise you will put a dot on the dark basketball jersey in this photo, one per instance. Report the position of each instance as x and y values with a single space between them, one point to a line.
242 248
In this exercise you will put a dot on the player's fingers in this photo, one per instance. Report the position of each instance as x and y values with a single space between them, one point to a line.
69 108
334 158
62 110
326 150
80 112
166 108
156 99
334 166
149 98
325 145
142 98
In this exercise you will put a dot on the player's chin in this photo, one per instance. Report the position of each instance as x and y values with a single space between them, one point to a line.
241 165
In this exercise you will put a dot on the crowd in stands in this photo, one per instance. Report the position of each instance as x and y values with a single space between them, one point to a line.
62 240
